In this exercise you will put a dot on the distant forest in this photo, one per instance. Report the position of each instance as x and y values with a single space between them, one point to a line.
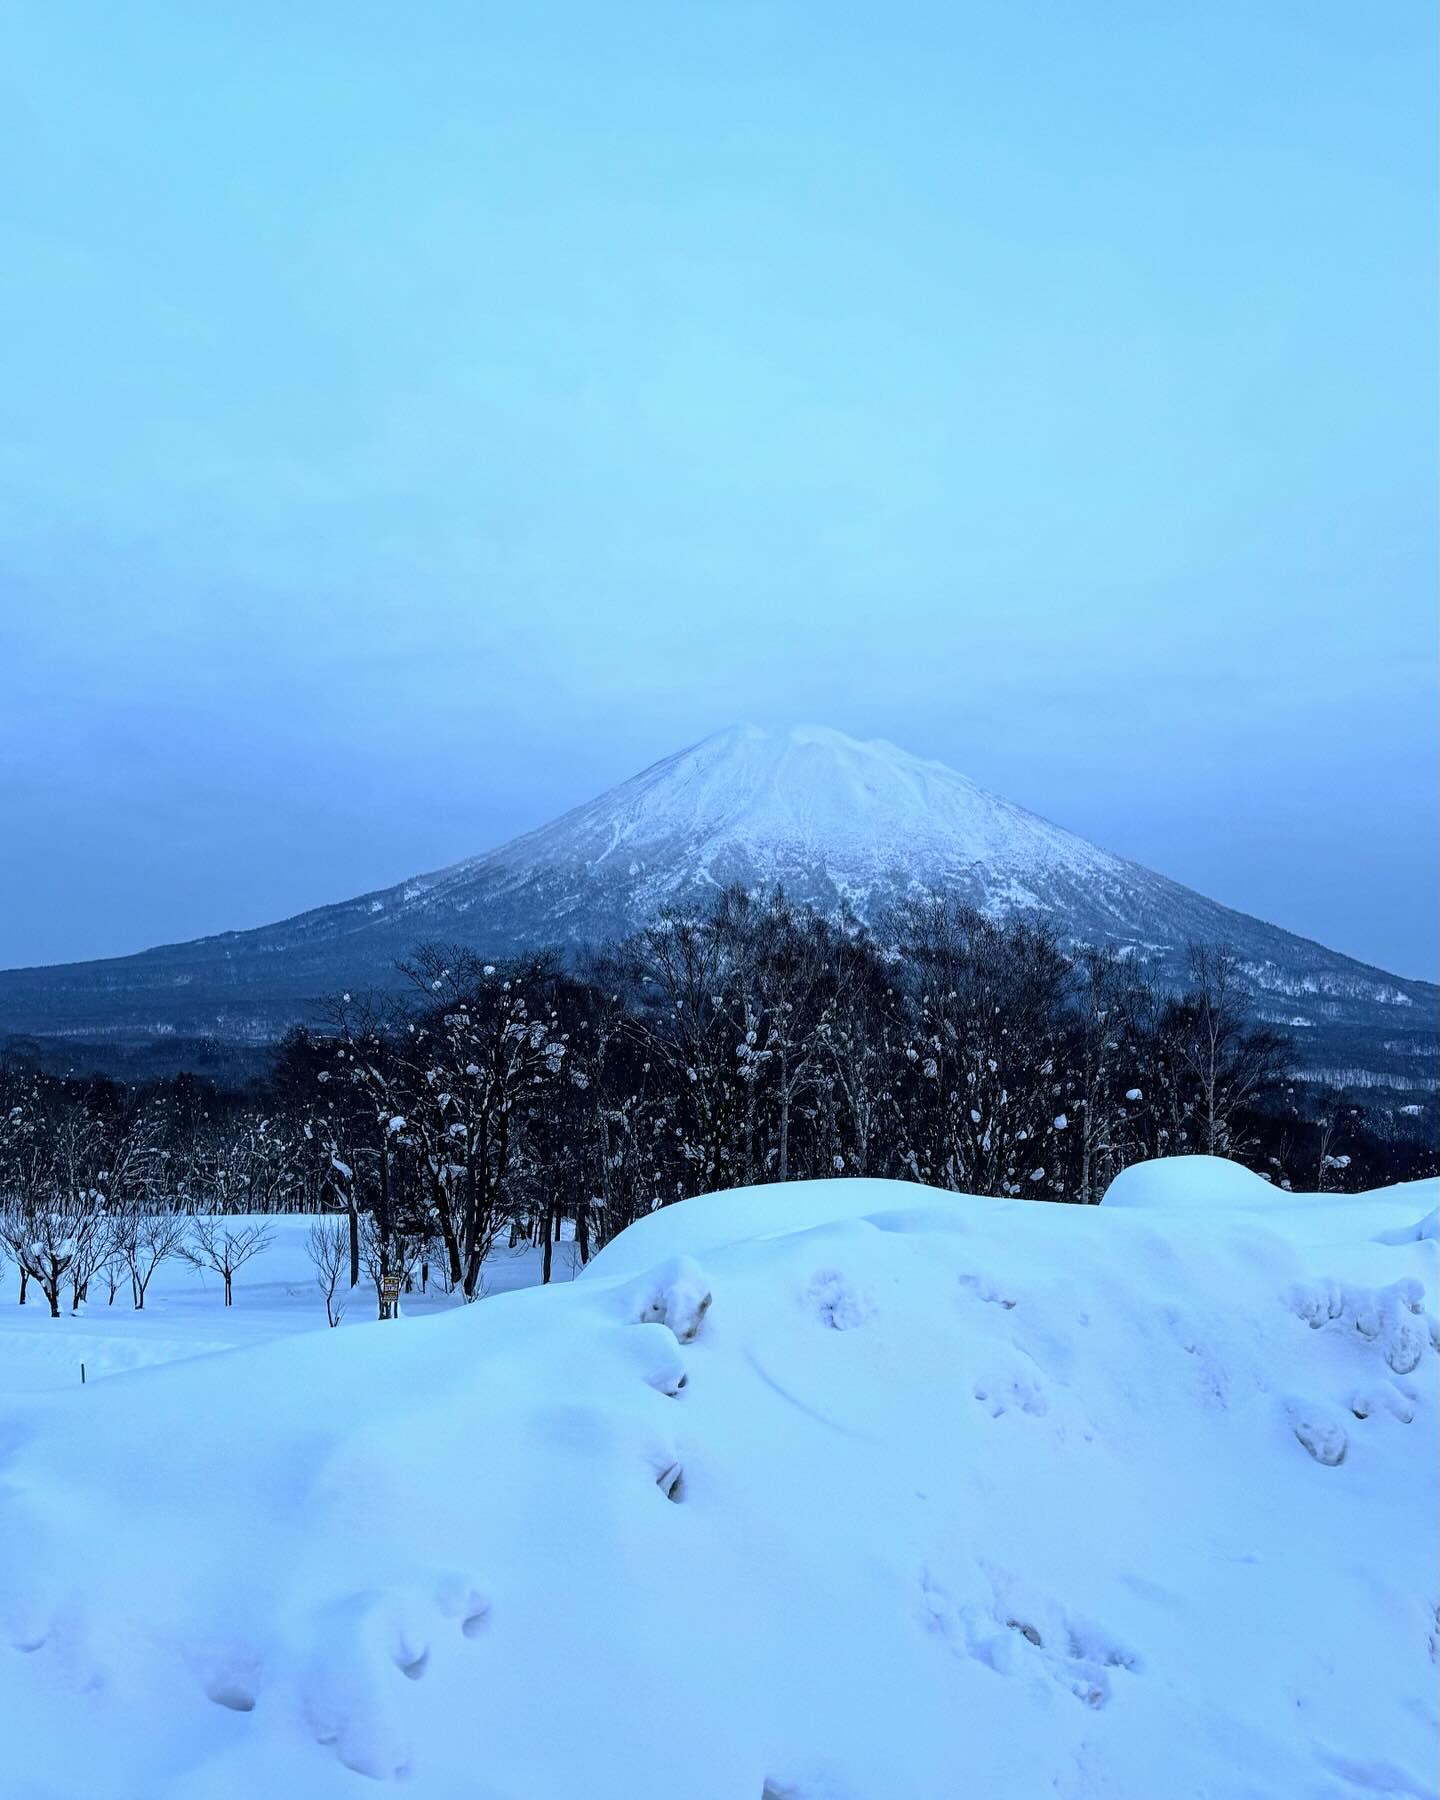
758 1043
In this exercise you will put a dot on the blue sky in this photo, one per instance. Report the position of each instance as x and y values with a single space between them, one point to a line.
415 419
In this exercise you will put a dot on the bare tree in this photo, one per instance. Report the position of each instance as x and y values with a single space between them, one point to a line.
328 1246
113 1269
471 1066
796 970
225 1245
58 1240
341 1178
684 973
1332 1124
1109 1006
1227 1063
79 1180
24 1171
144 1239
983 1009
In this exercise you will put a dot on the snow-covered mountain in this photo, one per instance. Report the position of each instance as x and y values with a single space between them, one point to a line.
835 821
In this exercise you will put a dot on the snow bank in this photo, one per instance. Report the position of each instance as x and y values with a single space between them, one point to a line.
838 1491
1177 1182
713 1221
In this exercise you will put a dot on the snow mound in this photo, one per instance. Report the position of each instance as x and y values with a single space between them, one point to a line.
834 1491
739 1215
1178 1182
1428 1227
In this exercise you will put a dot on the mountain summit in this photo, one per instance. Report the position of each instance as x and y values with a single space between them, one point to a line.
836 822
802 796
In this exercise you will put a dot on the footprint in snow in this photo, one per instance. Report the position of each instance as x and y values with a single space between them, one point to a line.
983 1288
1318 1431
677 1294
836 1302
1013 1635
1392 1320
26 1628
1387 1402
1017 1393
655 1351
361 1651
229 1672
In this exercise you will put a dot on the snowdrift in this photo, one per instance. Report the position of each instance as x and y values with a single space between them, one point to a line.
838 1491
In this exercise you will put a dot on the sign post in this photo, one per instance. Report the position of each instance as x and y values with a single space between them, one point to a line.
389 1296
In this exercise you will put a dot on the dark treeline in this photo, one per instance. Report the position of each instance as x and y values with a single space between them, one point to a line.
758 1043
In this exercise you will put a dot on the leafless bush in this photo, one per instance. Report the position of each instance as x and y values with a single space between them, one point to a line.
328 1246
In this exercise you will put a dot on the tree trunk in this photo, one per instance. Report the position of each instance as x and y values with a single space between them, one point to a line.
606 1214
445 1216
452 1253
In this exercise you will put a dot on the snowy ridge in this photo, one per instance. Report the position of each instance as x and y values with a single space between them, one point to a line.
842 1491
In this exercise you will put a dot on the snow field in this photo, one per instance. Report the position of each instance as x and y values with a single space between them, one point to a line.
843 1491
184 1314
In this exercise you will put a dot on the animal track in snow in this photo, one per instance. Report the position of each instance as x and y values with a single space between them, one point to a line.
232 1695
1013 1635
1016 1392
836 1302
1211 1377
1388 1324
1391 1401
1391 1318
1318 1430
26 1630
230 1674
983 1288
358 1646
657 1353
457 1599
676 1294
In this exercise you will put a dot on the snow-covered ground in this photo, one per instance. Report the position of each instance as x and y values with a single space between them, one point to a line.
935 1497
185 1315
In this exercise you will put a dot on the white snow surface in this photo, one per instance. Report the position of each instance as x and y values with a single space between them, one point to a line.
780 797
849 1490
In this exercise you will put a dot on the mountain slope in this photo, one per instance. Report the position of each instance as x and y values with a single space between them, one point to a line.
836 822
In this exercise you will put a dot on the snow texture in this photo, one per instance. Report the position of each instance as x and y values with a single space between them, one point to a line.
846 1490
